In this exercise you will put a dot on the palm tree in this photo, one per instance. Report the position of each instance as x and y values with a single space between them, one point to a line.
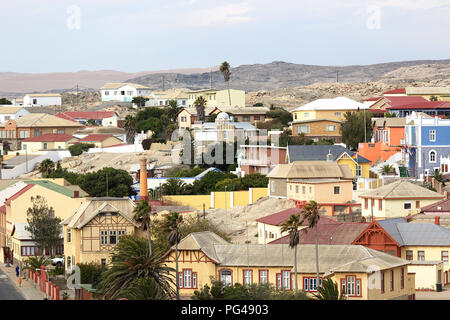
46 166
173 110
173 186
142 214
311 215
439 176
329 291
172 224
225 70
387 169
130 127
291 226
199 105
145 289
34 263
131 263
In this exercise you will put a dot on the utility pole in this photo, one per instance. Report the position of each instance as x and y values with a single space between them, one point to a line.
337 76
163 84
210 78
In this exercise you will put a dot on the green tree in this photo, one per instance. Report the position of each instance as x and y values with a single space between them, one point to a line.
200 104
387 169
226 73
439 176
46 166
311 216
4 101
79 148
173 187
254 180
143 215
43 226
132 263
91 272
173 110
107 181
34 263
139 101
172 224
291 226
130 128
91 122
328 291
355 130
144 289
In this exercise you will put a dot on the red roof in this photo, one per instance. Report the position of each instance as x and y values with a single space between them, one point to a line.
96 137
400 101
279 218
328 232
19 193
424 105
443 205
373 99
49 137
396 91
87 115
64 116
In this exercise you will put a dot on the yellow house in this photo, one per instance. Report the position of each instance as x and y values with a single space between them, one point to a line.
218 98
94 228
101 140
361 273
186 117
397 199
49 141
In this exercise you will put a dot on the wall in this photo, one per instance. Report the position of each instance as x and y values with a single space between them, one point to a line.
126 148
431 253
365 167
318 129
426 275
374 281
277 187
320 192
218 200
394 208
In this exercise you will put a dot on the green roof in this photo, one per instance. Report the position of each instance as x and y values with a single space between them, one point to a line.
52 186
88 287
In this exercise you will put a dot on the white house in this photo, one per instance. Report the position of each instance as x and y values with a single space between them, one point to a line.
11 112
124 92
42 100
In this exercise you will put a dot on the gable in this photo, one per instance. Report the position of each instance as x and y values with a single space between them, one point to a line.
374 234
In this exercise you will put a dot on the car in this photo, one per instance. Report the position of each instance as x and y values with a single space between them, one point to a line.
58 261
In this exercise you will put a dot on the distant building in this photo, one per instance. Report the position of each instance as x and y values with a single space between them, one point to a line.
42 100
218 98
101 140
48 141
124 92
103 118
159 99
260 158
13 112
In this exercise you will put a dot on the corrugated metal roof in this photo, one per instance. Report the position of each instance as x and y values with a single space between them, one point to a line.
311 170
319 153
402 189
50 137
42 120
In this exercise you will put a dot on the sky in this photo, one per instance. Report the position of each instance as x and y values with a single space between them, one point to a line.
42 36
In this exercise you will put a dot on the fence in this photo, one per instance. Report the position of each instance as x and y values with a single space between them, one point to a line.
46 286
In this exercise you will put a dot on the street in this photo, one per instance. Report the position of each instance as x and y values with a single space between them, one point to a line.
7 290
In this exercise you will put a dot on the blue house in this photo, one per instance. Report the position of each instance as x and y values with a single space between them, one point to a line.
427 145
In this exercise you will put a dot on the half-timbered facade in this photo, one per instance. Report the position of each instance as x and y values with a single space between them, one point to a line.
92 232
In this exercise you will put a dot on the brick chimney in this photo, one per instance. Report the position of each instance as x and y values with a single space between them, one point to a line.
143 193
436 220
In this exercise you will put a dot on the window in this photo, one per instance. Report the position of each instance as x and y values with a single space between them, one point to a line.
7 118
112 237
187 278
183 119
286 280
337 114
45 145
421 255
296 189
306 115
309 283
263 276
69 262
295 116
303 189
417 204
392 280
358 171
256 118
402 278
444 257
120 233
358 287
104 237
302 129
305 284
351 285
122 93
432 156
247 277
382 282
226 277
407 205
337 190
106 93
330 127
103 262
432 135
246 118
343 286
380 204
409 255
69 235
60 131
37 133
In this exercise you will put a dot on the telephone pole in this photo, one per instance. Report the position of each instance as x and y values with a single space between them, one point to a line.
337 76
163 84
210 78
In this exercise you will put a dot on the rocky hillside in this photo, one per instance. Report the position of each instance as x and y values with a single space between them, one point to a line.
277 74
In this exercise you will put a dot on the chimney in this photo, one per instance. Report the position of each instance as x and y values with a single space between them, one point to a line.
143 193
436 220
76 194
329 156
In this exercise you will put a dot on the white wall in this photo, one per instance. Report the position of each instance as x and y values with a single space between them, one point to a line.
41 101
115 94
126 148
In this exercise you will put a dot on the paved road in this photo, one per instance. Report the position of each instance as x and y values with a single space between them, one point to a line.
7 290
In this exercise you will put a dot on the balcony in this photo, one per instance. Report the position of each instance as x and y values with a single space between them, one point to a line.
254 162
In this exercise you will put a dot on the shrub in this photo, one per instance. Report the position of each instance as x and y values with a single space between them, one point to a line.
77 149
90 273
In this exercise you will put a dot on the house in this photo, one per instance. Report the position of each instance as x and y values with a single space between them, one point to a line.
383 104
186 117
15 112
42 100
101 140
119 133
104 118
388 139
93 229
48 141
430 93
163 98
218 98
427 145
322 118
269 227
204 255
425 245
124 92
251 115
283 174
24 247
260 158
359 165
397 199
34 125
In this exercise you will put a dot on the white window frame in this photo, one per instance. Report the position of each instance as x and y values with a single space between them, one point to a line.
330 127
432 135
286 276
263 276
429 156
103 237
247 277
187 278
404 205
358 171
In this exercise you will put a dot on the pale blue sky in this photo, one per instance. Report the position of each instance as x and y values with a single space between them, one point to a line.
137 35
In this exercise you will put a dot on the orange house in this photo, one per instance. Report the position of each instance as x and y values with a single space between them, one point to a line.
388 137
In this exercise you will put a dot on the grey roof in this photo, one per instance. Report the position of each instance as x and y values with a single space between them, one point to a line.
311 153
416 234
332 258
402 189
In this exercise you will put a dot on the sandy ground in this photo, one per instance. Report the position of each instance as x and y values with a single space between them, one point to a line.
241 223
